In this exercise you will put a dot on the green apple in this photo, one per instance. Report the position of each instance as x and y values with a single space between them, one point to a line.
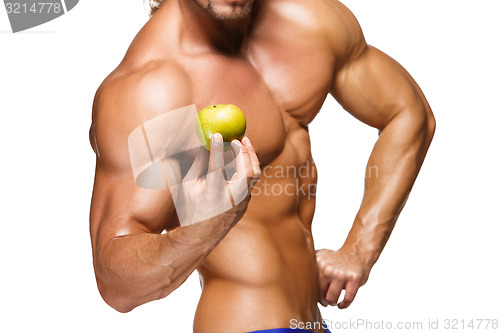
226 119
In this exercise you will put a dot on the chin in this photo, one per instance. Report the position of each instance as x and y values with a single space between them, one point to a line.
230 10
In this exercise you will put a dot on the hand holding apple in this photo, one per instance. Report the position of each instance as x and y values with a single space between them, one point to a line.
226 119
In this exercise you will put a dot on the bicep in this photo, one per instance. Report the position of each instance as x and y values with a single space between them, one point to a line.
374 88
121 204
120 207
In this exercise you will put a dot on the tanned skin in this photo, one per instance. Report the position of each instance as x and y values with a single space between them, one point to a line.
277 60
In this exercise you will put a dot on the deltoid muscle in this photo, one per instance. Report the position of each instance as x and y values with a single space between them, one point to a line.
162 151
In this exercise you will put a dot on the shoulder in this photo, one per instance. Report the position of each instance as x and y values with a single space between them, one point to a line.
130 96
325 21
342 30
152 86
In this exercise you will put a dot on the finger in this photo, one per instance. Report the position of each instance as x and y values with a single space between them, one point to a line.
254 160
199 165
351 289
334 291
215 175
239 185
216 152
243 164
320 259
324 283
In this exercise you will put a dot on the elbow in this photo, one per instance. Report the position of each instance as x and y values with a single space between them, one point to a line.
125 287
125 304
125 300
429 126
119 306
111 286
420 121
115 299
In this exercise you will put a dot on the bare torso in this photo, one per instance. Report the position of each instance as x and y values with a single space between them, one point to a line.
257 262
264 272
280 80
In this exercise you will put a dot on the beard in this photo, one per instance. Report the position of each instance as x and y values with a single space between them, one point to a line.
230 12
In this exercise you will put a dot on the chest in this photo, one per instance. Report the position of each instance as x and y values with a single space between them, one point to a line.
296 69
279 91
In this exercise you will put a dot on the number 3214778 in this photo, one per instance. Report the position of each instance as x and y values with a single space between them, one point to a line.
473 324
35 8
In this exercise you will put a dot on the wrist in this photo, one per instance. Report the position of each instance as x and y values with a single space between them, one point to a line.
368 236
367 253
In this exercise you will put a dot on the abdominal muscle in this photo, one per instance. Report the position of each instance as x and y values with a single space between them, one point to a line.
263 274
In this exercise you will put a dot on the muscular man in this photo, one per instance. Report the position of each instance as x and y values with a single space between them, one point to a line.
277 60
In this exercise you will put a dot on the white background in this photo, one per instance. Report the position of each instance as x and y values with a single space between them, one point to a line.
441 261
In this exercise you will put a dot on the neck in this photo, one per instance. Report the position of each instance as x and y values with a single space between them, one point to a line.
202 32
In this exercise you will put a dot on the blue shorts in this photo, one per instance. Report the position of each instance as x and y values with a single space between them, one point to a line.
286 330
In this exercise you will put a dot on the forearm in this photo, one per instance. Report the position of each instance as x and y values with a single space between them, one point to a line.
390 174
133 270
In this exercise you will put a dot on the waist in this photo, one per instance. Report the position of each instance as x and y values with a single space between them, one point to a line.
233 308
259 272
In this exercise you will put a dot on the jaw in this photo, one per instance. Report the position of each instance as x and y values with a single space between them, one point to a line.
226 10
216 25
